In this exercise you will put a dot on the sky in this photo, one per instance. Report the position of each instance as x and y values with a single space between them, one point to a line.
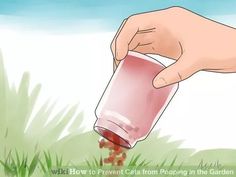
92 15
64 45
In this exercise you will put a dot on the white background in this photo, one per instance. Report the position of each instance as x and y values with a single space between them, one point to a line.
75 68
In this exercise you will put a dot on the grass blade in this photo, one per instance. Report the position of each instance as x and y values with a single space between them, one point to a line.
173 162
33 164
42 167
23 166
163 163
135 160
7 168
17 158
48 160
88 163
95 162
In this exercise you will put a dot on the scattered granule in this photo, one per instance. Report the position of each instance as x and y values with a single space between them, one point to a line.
117 154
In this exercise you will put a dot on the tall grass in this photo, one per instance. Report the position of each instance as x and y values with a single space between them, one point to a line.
16 107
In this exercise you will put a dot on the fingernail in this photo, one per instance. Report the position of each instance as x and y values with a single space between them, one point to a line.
119 56
159 82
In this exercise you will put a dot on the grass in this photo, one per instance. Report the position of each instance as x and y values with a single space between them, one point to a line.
18 165
14 165
48 162
39 150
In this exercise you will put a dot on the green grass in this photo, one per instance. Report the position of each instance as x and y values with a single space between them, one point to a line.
37 151
16 165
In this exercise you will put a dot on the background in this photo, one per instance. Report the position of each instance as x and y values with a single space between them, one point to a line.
65 45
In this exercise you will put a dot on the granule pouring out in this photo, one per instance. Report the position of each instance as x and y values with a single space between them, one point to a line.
117 154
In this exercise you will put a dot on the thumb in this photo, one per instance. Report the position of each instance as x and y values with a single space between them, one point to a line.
178 71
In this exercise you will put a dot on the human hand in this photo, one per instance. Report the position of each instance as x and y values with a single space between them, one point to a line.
195 42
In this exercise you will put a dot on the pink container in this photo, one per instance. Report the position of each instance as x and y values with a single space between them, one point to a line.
130 105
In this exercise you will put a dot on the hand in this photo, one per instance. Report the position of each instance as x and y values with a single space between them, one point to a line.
195 42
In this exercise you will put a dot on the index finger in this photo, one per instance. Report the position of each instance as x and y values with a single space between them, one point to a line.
125 36
114 39
116 62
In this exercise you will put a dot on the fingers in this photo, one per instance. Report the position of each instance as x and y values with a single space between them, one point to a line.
180 70
113 43
132 33
142 42
145 49
113 47
124 37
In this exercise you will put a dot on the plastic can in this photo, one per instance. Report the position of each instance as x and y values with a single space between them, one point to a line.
130 105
